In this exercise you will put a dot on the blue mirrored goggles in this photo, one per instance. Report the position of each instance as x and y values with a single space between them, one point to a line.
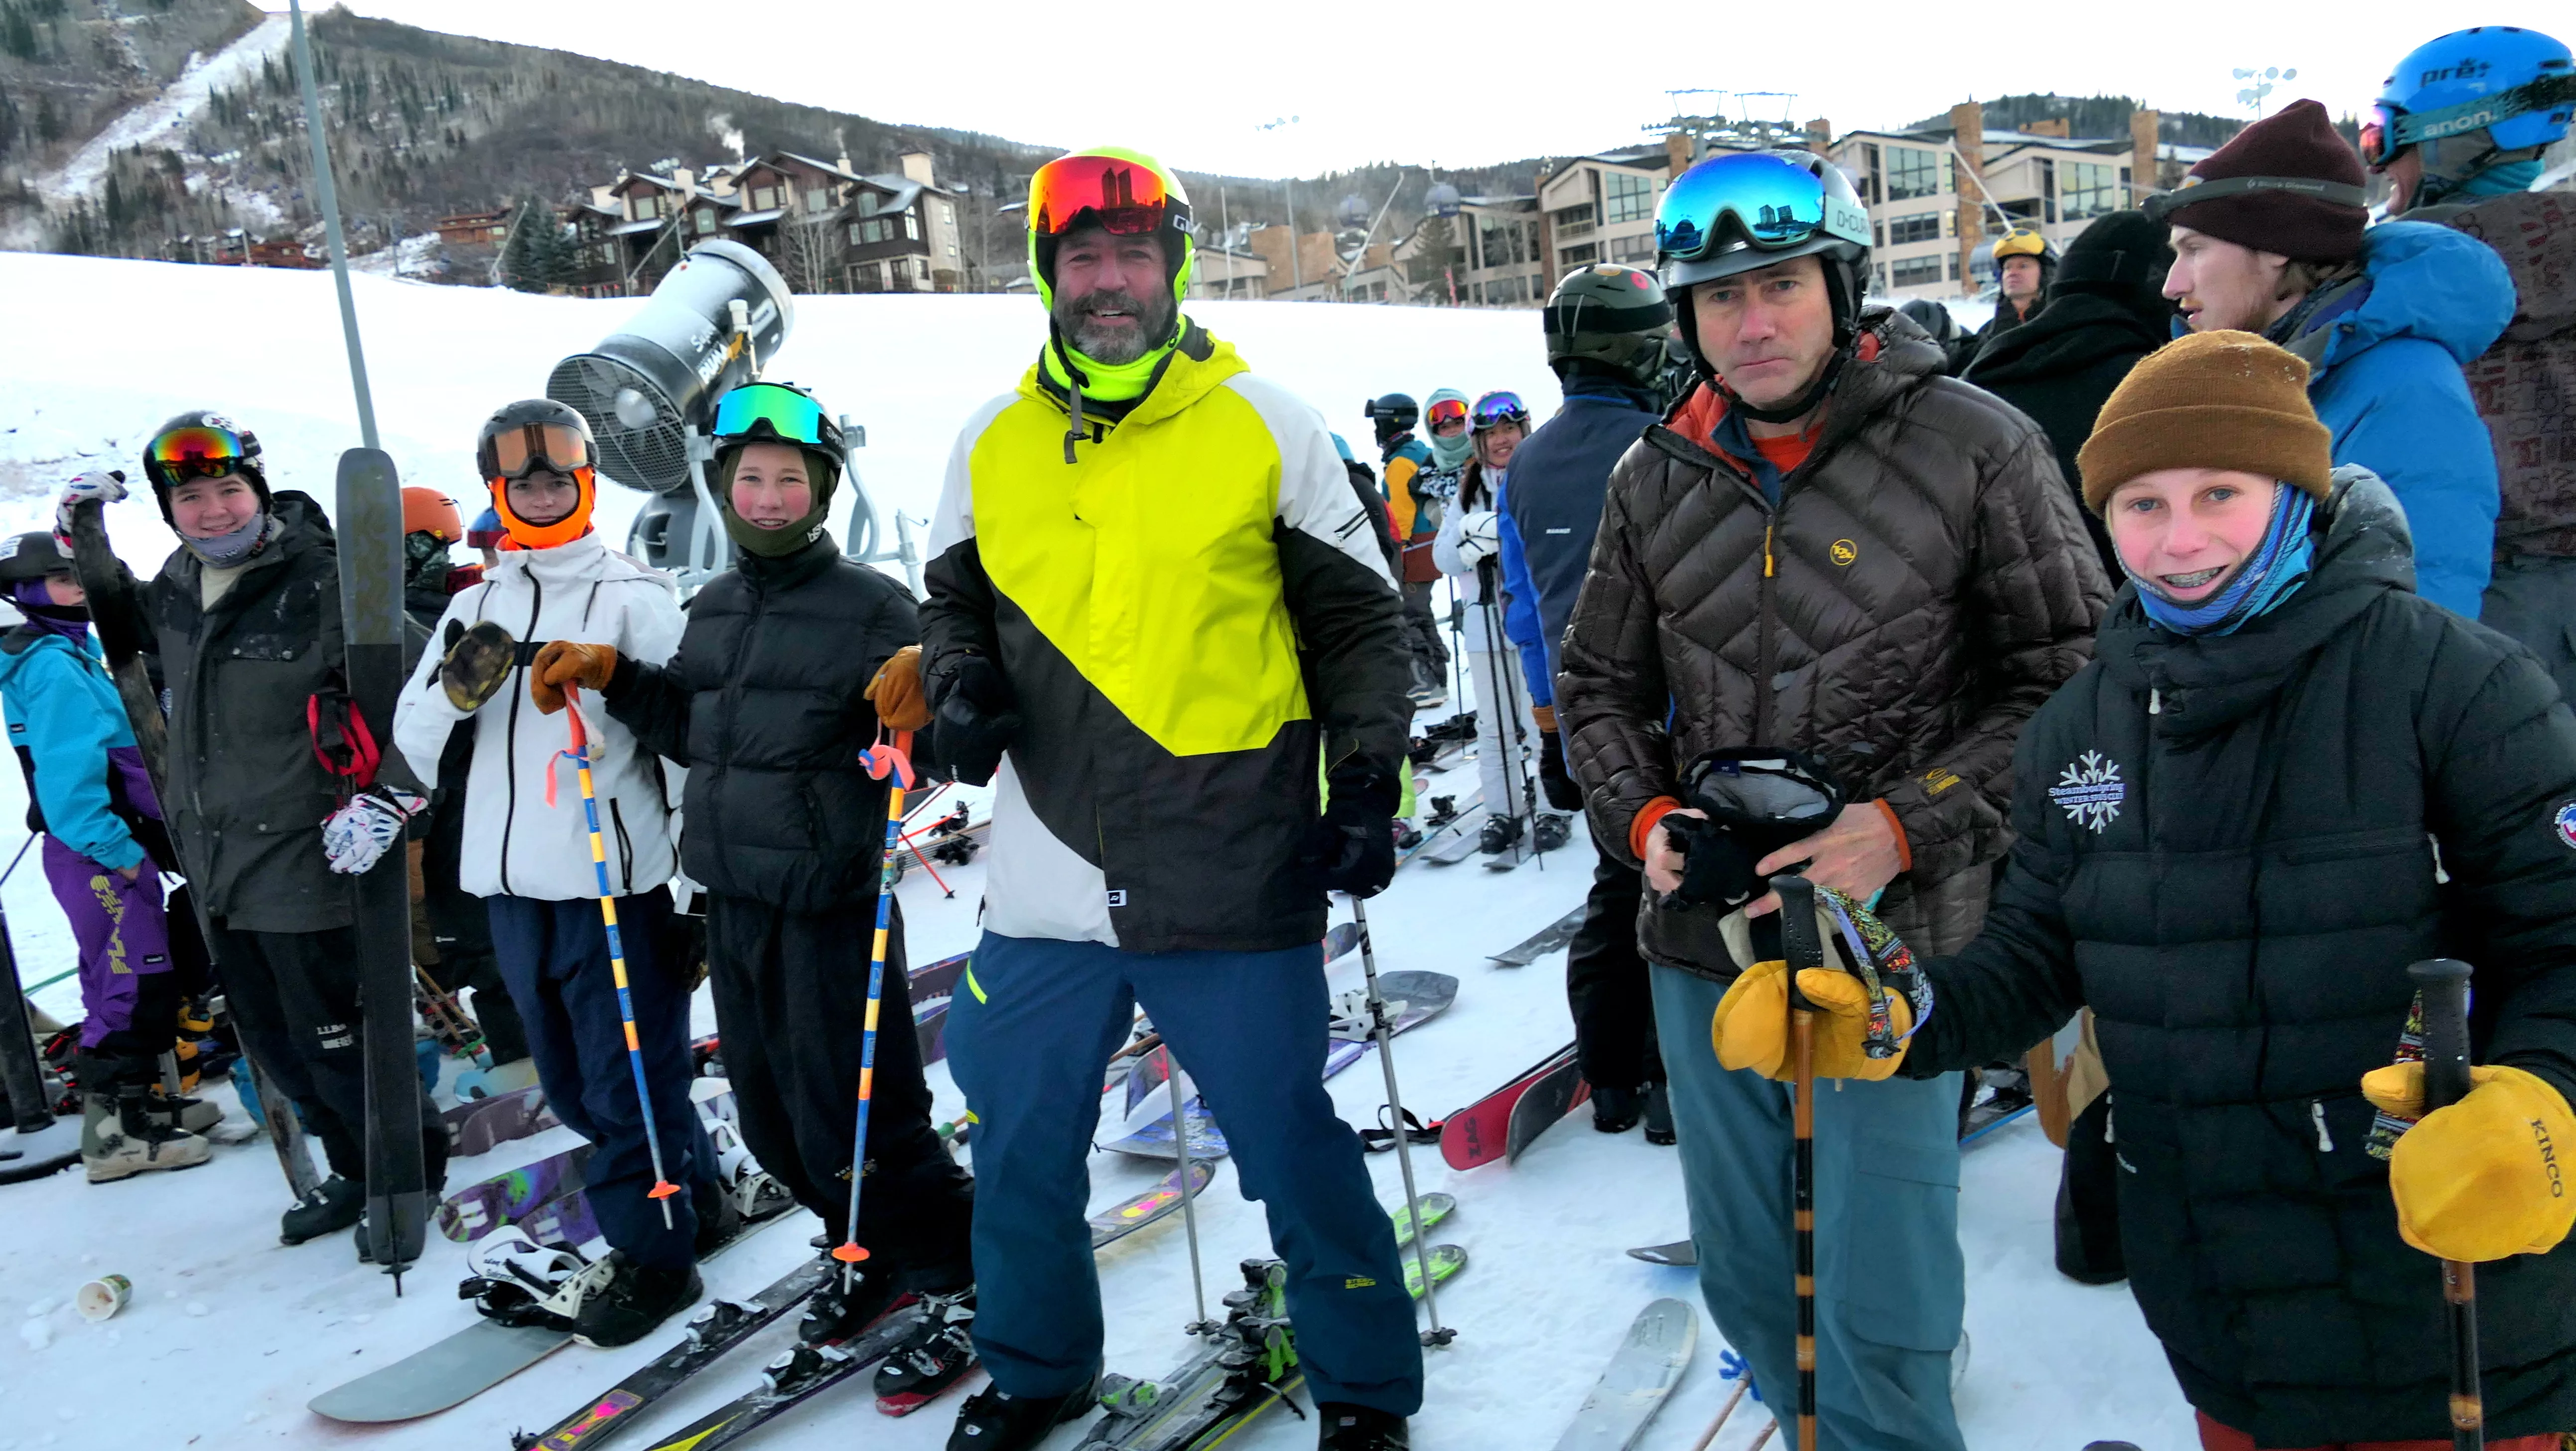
1498 408
791 416
1771 201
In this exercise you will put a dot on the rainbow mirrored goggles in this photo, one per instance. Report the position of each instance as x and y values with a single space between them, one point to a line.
198 451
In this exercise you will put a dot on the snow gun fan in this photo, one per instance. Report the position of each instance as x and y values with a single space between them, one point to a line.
649 393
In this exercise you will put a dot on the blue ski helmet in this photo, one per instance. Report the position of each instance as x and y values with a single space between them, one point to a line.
2516 85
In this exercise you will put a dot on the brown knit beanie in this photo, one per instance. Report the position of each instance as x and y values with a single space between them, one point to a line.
2215 400
2297 141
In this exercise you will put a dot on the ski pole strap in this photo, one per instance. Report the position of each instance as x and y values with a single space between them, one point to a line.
341 740
1870 952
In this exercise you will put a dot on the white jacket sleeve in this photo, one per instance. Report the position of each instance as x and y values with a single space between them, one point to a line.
1444 545
424 717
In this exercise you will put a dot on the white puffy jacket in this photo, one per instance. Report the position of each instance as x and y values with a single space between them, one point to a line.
515 844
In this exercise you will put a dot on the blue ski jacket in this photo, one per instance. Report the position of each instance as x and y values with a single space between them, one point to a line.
1520 602
2384 354
1558 478
64 720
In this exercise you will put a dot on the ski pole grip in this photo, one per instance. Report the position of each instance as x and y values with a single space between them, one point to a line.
1800 946
2444 982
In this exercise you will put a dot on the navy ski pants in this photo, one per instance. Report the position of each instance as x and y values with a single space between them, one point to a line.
554 957
1028 1039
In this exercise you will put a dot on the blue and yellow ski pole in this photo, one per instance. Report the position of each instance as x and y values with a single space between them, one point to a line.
890 762
662 1188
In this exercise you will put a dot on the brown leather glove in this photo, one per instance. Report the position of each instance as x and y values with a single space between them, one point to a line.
562 663
896 692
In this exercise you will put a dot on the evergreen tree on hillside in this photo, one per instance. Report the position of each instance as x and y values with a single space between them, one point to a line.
525 253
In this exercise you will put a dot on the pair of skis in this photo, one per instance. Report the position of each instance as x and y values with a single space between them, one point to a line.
1504 1123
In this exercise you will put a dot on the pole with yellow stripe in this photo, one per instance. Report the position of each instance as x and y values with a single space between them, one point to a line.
892 764
662 1188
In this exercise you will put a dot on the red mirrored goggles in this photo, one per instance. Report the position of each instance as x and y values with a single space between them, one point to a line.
196 452
1447 410
521 451
1125 198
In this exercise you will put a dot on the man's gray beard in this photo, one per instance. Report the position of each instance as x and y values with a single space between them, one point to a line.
1114 347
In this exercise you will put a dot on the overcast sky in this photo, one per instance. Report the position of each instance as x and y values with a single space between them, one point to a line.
1493 82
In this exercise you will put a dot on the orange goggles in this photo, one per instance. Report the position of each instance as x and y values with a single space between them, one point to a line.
1447 410
1126 199
522 450
194 453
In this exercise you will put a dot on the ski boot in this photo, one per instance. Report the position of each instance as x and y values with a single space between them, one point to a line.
1659 1115
634 1301
1407 835
120 1139
1360 1428
1551 832
1444 809
334 1205
935 1356
1500 835
995 1420
1616 1110
844 1307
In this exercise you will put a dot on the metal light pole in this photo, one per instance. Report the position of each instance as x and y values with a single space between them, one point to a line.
1296 267
329 200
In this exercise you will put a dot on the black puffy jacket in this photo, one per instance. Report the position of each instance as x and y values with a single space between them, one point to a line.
765 703
2231 848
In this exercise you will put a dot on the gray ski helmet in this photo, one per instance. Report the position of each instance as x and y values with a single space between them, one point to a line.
1932 317
1841 237
1393 414
1610 317
32 556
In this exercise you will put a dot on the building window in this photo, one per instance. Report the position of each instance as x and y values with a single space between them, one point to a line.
1639 248
1881 270
1569 258
1626 198
1501 244
948 214
911 225
1915 271
764 198
1574 221
706 220
818 200
648 206
871 231
1869 173
1954 266
1912 172
2090 191
1921 227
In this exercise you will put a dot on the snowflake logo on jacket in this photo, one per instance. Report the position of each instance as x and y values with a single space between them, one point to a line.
2091 791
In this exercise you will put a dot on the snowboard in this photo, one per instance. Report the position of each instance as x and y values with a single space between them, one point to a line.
1550 1097
481 1125
509 1197
1116 1223
1469 813
1680 1252
717 1327
1154 1140
1642 1372
462 1365
1539 944
367 522
1480 1132
1459 843
1418 997
932 988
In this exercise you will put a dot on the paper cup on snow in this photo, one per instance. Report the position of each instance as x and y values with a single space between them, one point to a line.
101 1298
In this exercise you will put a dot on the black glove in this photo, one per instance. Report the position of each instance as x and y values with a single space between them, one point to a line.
1553 780
1716 868
974 716
1351 847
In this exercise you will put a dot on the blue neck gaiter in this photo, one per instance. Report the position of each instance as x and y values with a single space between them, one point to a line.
2278 566
226 551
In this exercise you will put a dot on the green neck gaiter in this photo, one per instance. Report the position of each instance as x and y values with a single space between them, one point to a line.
778 543
1103 382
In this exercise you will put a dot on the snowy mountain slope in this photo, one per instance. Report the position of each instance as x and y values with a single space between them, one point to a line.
230 1333
164 119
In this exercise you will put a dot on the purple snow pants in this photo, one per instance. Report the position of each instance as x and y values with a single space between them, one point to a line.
122 933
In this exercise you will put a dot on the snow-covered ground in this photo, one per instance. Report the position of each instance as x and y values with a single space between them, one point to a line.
163 120
229 1333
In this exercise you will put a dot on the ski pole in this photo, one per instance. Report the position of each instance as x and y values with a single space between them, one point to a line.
1517 764
890 762
1384 1033
1802 948
662 1188
1709 1436
2445 985
1189 1201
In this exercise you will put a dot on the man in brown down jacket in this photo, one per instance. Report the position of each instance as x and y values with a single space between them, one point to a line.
1830 548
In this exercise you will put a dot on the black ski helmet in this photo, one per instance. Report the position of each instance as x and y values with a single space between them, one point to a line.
530 412
1932 317
1610 319
247 462
32 556
1394 414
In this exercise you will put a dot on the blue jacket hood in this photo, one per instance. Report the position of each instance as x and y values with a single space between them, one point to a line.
2426 281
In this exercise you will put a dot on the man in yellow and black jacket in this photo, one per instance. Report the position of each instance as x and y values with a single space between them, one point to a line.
1158 621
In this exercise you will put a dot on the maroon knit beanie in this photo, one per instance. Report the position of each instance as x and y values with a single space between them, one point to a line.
2298 141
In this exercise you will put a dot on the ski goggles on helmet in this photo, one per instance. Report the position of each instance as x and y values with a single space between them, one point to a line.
199 451
2194 191
515 453
1126 198
1498 408
785 414
1446 410
1750 197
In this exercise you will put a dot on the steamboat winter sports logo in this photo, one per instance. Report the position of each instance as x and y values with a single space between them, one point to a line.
2565 821
2091 792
